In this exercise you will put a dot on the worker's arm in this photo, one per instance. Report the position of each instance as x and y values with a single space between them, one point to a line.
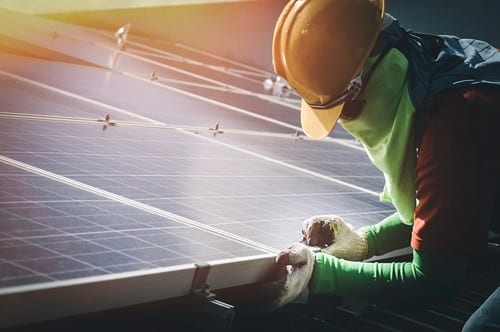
426 276
388 235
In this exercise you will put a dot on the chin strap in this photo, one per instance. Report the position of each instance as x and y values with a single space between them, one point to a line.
354 105
355 86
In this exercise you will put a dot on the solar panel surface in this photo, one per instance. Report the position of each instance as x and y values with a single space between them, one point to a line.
197 163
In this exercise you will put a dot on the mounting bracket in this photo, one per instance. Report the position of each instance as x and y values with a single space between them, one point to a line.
212 314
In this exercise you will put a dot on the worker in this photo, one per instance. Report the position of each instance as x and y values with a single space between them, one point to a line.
426 108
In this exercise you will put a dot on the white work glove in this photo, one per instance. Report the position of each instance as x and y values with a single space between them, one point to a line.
334 237
298 263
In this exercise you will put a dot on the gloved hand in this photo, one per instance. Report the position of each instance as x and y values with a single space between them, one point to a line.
298 263
335 237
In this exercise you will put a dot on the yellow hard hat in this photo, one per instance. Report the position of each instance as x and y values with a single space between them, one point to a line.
319 47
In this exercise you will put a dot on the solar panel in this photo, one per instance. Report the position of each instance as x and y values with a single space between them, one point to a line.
121 170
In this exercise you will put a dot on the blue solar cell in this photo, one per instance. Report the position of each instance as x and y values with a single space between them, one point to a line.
83 202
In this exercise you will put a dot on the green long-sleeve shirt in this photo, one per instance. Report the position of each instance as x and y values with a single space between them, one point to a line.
410 282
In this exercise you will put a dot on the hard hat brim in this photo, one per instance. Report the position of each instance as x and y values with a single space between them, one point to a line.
318 123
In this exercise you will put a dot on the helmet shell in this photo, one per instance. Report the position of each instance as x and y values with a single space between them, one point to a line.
319 46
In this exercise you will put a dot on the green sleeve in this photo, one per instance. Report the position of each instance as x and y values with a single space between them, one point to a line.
388 235
428 275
